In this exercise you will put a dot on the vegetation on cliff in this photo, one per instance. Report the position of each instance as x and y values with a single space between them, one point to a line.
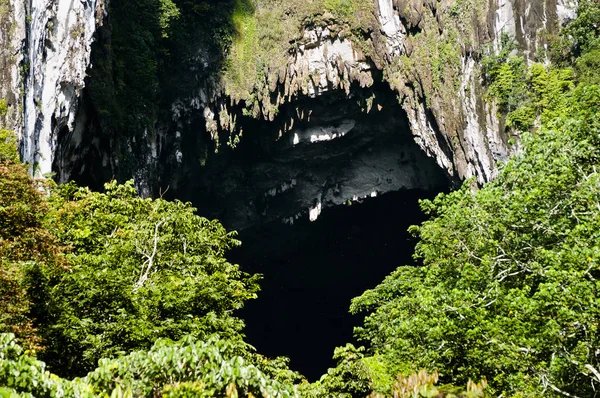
266 32
136 298
145 58
509 286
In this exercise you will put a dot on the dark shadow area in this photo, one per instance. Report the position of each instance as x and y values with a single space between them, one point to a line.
312 271
146 56
244 187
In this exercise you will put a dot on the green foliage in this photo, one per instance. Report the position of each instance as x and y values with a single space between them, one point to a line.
23 376
242 65
4 8
549 90
3 107
8 139
524 93
350 378
506 76
508 83
509 285
436 59
124 81
187 368
8 146
580 44
587 66
343 10
358 376
23 241
213 367
139 269
168 13
580 36
508 289
22 209
266 31
145 58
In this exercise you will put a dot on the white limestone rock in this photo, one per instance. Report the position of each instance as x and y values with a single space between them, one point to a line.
391 27
57 46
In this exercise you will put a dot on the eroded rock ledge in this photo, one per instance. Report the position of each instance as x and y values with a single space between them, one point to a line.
343 155
428 52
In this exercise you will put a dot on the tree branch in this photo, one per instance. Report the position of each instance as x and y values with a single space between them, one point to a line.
149 263
593 370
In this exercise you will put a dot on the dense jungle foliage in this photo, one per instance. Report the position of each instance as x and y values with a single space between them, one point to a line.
122 296
509 286
87 276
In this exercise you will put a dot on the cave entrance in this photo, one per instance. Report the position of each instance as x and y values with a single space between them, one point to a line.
313 269
322 213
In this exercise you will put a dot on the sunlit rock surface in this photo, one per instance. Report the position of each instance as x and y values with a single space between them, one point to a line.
46 52
456 125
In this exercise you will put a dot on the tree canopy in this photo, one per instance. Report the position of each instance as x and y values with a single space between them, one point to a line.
508 289
136 293
139 270
125 296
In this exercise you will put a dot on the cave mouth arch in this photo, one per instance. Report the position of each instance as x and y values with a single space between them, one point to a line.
322 213
312 270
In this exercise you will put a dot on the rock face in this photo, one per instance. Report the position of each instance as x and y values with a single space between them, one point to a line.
45 57
429 55
309 147
343 155
12 34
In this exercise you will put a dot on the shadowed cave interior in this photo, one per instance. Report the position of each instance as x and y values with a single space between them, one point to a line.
362 183
312 271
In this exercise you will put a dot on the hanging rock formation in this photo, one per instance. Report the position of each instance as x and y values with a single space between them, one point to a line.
310 80
45 55
428 53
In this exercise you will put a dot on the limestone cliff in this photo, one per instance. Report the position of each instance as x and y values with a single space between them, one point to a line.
45 55
427 51
155 101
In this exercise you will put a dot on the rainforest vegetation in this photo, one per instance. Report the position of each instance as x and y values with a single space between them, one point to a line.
109 294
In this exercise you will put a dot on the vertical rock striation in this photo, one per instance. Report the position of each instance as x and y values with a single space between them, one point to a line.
425 53
47 56
12 34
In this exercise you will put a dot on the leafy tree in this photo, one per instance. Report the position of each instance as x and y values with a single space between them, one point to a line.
350 378
523 93
358 376
24 244
139 270
505 76
187 368
509 286
580 36
8 146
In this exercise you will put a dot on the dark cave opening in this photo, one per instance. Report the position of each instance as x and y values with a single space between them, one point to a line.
351 147
313 270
